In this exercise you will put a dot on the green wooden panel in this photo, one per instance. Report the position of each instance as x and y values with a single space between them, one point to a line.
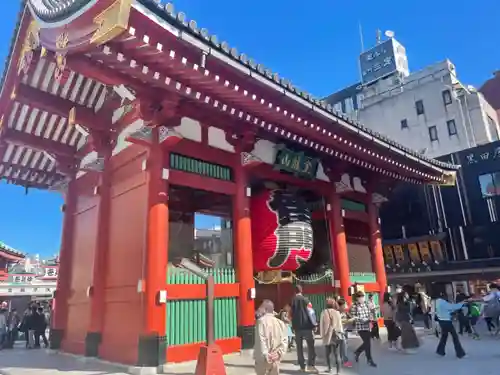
200 167
350 205
362 277
186 319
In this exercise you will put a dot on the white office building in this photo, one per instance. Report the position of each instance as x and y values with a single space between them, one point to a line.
429 111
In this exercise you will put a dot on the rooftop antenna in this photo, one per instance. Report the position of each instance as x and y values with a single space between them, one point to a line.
361 39
379 36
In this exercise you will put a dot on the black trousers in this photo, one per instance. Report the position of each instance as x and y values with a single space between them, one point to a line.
365 345
335 350
489 323
427 320
300 336
41 334
393 331
463 324
447 328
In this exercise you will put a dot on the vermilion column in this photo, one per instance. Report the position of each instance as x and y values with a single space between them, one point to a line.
98 288
152 343
339 244
376 248
243 251
60 313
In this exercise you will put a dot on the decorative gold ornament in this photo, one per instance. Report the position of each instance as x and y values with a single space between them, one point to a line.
112 22
30 44
62 41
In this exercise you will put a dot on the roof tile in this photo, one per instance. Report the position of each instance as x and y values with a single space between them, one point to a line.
167 12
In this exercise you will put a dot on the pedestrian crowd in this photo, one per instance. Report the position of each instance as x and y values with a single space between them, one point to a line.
277 333
30 327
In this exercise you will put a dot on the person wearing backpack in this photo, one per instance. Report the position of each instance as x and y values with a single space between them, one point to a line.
473 312
492 307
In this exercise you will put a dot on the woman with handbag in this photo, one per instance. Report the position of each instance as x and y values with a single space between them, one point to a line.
332 333
388 313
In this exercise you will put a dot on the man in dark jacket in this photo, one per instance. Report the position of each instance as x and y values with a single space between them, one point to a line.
303 326
40 327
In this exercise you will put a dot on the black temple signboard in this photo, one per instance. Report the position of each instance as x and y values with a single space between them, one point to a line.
295 162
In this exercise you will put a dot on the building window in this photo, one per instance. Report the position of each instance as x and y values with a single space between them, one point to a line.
433 133
404 124
446 97
452 127
490 184
492 125
419 105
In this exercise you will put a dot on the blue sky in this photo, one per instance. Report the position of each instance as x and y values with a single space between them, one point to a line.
315 45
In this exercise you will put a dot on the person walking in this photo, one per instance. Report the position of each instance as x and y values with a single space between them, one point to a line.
362 316
332 334
303 326
388 311
271 341
41 328
409 339
3 328
346 322
285 317
444 310
13 322
492 308
374 332
424 305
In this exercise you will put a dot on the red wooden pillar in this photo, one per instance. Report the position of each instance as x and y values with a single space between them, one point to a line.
339 244
243 251
60 313
97 290
376 248
152 343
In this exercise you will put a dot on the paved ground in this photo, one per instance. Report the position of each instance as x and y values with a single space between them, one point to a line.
483 357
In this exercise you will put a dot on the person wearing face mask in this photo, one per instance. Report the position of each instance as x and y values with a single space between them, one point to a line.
362 316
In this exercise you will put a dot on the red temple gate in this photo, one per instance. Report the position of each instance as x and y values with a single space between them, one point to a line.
130 110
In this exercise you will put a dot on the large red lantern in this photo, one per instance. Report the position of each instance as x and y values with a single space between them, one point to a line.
282 235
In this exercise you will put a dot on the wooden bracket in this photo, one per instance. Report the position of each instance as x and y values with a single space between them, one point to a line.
242 142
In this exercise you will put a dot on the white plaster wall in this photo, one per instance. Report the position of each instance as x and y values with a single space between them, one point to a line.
389 101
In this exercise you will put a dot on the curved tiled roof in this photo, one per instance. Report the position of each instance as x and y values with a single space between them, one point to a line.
180 20
10 250
57 10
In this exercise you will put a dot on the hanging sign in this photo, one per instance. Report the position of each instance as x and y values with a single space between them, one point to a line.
437 251
477 157
425 252
295 162
414 254
22 279
389 256
399 254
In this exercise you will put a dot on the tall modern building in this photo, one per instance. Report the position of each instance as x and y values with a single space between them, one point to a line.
447 233
429 111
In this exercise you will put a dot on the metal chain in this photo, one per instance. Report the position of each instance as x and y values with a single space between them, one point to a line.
327 273
269 282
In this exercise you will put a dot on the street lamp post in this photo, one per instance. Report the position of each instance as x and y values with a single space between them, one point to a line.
210 360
